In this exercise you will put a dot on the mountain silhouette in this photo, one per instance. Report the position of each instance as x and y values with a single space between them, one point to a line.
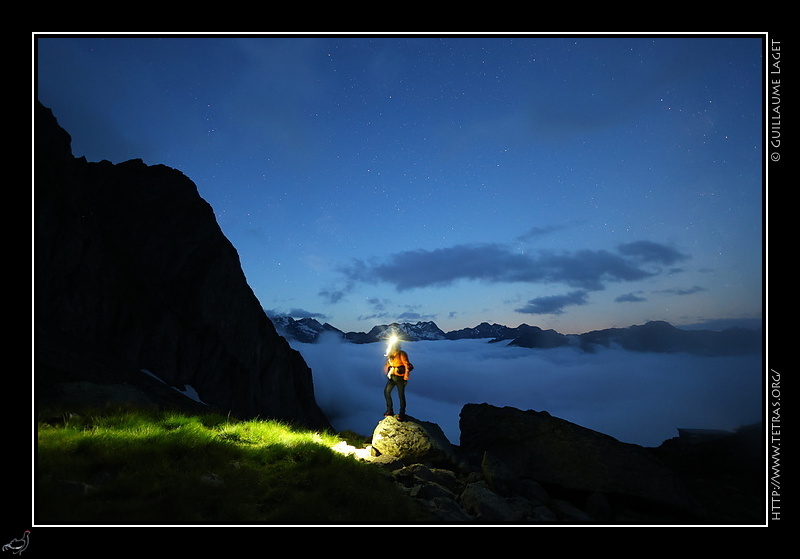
653 336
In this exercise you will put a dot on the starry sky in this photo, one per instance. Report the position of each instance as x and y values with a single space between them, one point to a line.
568 182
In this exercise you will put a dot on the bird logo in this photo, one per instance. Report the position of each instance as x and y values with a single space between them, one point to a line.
18 545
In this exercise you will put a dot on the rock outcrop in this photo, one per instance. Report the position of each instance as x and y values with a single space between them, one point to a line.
527 467
132 273
568 458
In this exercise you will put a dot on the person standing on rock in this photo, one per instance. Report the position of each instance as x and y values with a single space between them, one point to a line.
397 369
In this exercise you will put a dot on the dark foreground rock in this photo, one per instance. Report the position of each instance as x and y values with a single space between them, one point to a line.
560 454
527 467
131 274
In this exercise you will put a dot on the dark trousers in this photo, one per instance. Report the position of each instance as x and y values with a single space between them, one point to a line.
400 383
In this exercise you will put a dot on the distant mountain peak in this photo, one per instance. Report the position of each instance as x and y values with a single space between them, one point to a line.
653 336
305 330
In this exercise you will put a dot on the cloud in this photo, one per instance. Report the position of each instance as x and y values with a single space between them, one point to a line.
683 291
333 295
630 298
495 263
377 304
410 315
536 232
553 304
648 251
634 298
380 311
378 307
641 398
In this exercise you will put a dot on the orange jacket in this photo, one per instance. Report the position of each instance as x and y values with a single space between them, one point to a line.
397 360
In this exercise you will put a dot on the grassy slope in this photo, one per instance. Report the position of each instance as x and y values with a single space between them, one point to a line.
136 467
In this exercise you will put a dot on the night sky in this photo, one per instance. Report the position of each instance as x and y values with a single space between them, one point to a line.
572 183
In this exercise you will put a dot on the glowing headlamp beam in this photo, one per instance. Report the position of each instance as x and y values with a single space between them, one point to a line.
390 343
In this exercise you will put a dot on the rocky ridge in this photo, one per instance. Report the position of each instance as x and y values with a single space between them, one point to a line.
527 467
654 336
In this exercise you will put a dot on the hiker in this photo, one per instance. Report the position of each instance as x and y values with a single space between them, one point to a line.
397 370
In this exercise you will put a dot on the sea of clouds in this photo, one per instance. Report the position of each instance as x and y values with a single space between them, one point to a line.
640 398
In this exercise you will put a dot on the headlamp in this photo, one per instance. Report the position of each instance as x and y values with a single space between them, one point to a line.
390 343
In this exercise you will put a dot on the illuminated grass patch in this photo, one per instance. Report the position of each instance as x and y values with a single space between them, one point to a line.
133 467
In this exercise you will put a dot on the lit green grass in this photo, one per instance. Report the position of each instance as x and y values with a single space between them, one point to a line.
134 467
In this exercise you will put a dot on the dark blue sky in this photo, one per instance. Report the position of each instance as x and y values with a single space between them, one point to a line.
571 183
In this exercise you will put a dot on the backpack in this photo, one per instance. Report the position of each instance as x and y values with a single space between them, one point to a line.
410 366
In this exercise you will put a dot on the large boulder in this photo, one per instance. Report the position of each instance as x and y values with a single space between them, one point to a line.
564 456
412 440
